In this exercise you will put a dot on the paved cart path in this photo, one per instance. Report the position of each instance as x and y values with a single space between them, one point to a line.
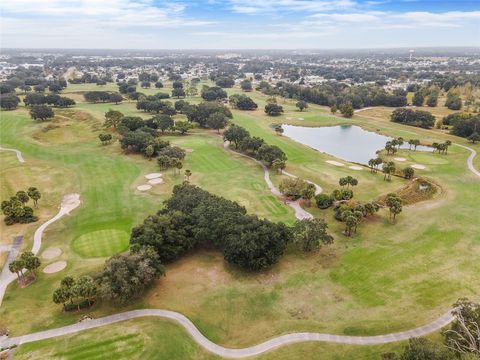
228 352
17 152
300 213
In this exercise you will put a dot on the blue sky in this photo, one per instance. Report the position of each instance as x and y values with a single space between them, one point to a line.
238 24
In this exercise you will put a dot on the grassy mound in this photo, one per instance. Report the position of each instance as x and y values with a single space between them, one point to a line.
415 191
101 243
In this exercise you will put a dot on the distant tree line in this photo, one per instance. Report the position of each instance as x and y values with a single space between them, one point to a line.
103 96
50 99
330 94
418 118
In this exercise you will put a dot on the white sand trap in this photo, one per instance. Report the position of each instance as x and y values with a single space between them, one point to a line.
188 150
51 253
289 118
70 202
144 187
355 167
155 181
418 166
55 267
300 118
333 162
153 176
400 159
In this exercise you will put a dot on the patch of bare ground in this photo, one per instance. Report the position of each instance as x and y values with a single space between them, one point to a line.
418 190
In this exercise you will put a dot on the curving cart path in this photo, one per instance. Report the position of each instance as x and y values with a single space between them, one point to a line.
17 152
228 352
470 165
69 202
73 201
300 213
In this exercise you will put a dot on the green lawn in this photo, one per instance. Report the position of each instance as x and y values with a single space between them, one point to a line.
101 243
386 278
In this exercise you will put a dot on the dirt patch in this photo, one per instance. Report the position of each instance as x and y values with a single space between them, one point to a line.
417 190
55 267
51 253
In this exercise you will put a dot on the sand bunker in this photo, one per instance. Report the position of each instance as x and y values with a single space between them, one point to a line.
400 159
300 118
144 187
55 267
188 150
155 181
418 166
355 167
333 162
153 176
51 253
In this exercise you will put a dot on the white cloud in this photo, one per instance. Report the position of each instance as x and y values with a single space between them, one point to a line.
108 12
262 6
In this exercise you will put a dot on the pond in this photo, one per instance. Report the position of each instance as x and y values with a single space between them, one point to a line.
347 142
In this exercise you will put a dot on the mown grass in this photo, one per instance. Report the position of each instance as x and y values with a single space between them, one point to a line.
388 277
101 243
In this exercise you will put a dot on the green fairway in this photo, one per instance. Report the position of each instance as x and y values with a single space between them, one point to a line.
387 278
101 243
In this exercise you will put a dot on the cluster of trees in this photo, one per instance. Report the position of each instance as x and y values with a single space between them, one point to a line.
242 102
394 204
154 103
246 85
50 99
468 128
273 109
301 105
16 210
460 341
324 201
123 278
225 82
424 94
140 136
105 139
41 112
455 118
270 155
346 109
389 168
207 114
352 214
27 261
419 118
442 148
212 93
296 188
9 101
193 216
171 157
453 101
75 294
102 96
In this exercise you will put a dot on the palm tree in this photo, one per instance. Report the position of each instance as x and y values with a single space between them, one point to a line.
447 144
188 173
388 170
